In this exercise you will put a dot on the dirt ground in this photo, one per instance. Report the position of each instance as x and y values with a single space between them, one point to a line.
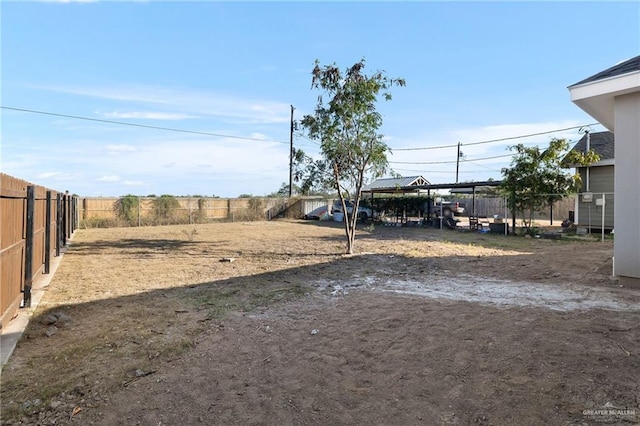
266 323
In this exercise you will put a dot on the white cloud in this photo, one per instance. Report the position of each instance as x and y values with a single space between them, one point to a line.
56 176
134 183
117 149
147 115
233 108
68 1
111 178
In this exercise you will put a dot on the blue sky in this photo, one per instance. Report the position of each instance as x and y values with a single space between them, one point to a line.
475 71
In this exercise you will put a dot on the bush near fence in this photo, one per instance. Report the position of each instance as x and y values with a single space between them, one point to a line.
145 211
35 223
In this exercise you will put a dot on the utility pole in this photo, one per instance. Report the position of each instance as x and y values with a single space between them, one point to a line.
291 155
458 162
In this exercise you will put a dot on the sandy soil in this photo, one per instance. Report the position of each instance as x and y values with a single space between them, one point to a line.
267 323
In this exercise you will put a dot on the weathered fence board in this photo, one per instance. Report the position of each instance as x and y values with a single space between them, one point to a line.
199 209
490 206
29 235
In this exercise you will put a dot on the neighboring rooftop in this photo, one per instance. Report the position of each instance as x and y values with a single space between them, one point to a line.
601 142
393 183
622 68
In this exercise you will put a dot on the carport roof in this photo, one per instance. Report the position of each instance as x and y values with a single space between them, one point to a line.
386 186
393 184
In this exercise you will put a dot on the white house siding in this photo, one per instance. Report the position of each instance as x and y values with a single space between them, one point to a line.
627 185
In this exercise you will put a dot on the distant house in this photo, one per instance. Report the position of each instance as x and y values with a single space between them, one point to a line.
597 181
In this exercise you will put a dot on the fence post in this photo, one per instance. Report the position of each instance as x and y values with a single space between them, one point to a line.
72 216
28 256
63 224
76 213
604 203
67 217
47 234
58 222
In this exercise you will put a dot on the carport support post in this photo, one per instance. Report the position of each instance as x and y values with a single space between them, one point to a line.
604 203
506 205
513 219
473 200
373 215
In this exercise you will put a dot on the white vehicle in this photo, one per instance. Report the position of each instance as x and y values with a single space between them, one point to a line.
364 213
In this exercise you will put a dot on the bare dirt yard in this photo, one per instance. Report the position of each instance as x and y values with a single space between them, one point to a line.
266 323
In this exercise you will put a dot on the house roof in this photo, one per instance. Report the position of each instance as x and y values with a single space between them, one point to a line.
393 183
625 67
596 94
602 143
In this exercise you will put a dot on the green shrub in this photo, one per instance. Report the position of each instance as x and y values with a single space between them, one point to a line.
126 209
165 209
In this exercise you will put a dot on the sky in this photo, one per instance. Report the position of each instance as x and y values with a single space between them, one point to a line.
224 76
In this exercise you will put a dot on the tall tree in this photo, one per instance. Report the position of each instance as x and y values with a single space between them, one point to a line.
538 178
313 175
347 126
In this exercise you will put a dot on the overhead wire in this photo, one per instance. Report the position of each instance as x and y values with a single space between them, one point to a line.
495 140
439 171
452 161
301 135
171 129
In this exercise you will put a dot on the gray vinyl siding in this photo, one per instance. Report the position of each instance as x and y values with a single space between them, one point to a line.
601 181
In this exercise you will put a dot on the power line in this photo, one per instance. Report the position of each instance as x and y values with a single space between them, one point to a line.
300 135
441 171
77 117
482 165
450 162
495 140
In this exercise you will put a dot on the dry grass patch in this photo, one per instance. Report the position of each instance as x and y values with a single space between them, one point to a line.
140 299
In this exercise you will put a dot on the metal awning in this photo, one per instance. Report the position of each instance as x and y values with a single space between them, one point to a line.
381 186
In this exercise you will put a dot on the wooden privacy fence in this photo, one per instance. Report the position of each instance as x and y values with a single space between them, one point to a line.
485 206
35 224
99 211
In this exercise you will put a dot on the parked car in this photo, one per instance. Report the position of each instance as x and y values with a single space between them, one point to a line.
364 213
449 208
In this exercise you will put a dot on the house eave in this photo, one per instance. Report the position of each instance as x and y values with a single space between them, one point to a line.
597 97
